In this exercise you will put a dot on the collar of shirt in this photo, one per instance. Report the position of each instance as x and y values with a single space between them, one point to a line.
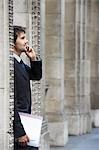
17 57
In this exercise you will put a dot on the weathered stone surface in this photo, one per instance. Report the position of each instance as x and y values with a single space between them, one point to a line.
69 53
79 124
21 6
54 72
53 6
53 24
77 70
70 11
20 19
45 145
53 106
3 143
58 133
74 105
52 46
54 68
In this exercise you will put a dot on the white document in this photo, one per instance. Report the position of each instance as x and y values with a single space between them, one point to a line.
32 125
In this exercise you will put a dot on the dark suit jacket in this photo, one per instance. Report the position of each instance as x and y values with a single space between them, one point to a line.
22 92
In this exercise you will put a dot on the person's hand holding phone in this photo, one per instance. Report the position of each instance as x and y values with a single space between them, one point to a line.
30 53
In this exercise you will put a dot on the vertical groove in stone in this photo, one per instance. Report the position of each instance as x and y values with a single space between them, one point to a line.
11 82
77 52
86 22
62 47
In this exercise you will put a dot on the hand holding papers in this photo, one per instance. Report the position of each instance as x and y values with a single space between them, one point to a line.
32 125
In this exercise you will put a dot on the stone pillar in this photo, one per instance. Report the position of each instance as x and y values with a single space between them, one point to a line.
45 140
93 50
4 75
93 46
54 72
77 68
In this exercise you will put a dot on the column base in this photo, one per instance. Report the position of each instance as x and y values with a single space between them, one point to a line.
79 124
58 133
45 145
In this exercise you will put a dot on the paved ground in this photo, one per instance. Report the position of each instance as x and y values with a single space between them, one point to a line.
84 142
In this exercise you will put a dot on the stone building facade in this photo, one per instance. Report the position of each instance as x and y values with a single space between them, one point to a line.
65 34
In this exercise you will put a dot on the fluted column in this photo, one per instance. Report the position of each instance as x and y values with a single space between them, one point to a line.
93 50
77 68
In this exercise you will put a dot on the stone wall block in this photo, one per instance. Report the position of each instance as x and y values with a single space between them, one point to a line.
52 46
70 11
53 6
20 19
69 68
53 24
69 52
69 32
85 86
21 6
54 90
70 87
53 68
53 106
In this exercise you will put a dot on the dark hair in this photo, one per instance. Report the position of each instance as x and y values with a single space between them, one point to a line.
17 31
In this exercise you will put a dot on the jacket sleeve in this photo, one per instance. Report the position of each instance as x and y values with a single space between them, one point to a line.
18 127
35 71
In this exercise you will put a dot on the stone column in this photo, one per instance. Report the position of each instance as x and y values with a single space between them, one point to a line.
93 46
4 75
93 50
54 72
45 141
77 68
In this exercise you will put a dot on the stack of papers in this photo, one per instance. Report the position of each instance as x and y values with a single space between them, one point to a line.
32 125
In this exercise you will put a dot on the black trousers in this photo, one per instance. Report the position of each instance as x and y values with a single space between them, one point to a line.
17 147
